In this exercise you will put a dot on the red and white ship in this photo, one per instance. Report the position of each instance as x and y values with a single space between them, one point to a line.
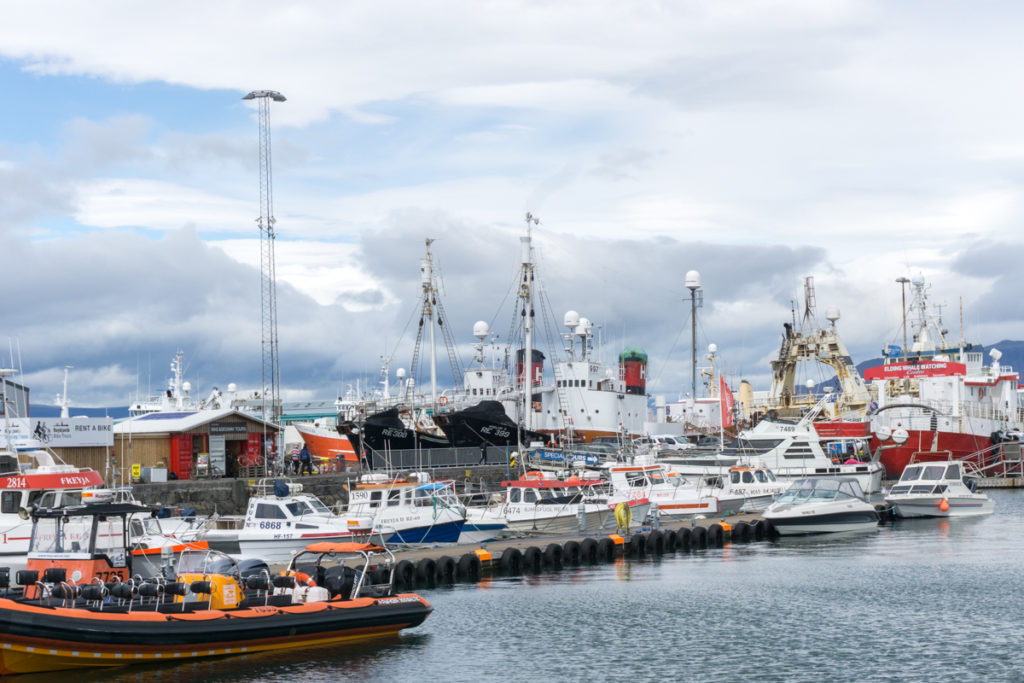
932 396
326 442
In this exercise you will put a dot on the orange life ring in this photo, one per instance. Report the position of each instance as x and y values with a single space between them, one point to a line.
533 475
442 400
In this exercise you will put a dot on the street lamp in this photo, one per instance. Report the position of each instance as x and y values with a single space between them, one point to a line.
903 285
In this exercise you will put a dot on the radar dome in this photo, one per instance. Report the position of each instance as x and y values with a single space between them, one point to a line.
712 348
571 319
481 329
832 313
232 387
187 386
692 279
809 384
400 373
995 354
583 329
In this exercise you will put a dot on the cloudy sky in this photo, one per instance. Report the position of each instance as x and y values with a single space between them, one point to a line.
758 142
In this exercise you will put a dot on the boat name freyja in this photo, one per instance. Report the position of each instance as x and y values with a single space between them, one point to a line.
70 481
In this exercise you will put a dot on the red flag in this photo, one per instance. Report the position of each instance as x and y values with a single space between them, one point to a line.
725 397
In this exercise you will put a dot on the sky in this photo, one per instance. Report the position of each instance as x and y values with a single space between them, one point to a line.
757 142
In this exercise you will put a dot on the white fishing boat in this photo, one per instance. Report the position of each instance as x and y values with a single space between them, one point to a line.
793 450
756 483
414 509
541 503
938 489
674 495
281 520
821 505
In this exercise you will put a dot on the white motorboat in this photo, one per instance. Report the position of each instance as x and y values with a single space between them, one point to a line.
756 483
793 450
280 521
541 503
414 509
938 489
675 495
821 505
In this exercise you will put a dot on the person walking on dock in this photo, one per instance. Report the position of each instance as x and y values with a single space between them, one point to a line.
306 460
295 461
483 453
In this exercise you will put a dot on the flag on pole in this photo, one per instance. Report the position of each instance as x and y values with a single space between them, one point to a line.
725 397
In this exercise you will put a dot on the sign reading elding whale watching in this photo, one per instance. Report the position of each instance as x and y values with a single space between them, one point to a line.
928 368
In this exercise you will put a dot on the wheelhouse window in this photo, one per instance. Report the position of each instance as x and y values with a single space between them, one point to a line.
734 477
953 472
933 472
515 496
748 478
394 498
268 511
529 496
761 476
10 502
911 473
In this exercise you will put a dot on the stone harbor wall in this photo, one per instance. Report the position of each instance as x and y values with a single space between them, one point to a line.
231 496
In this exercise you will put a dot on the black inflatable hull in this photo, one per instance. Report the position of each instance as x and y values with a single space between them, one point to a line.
39 638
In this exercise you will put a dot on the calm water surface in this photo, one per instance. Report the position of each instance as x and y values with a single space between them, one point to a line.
917 600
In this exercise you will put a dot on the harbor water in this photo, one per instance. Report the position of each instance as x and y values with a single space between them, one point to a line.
916 600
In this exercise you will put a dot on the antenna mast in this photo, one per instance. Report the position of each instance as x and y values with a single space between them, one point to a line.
268 281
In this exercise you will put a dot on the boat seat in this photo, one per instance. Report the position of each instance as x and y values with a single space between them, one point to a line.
268 601
55 574
26 577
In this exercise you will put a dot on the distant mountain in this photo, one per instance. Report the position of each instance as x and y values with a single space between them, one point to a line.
116 412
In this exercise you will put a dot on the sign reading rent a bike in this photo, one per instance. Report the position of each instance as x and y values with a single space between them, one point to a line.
61 432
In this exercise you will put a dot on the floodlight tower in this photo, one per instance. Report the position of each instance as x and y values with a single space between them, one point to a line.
268 282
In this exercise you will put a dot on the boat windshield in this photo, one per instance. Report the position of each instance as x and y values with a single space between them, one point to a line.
953 472
933 472
820 490
206 562
318 506
51 535
912 473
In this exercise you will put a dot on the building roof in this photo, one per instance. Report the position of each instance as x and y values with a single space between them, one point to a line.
163 422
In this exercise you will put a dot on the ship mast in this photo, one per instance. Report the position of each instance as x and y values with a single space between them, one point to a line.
526 294
429 299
